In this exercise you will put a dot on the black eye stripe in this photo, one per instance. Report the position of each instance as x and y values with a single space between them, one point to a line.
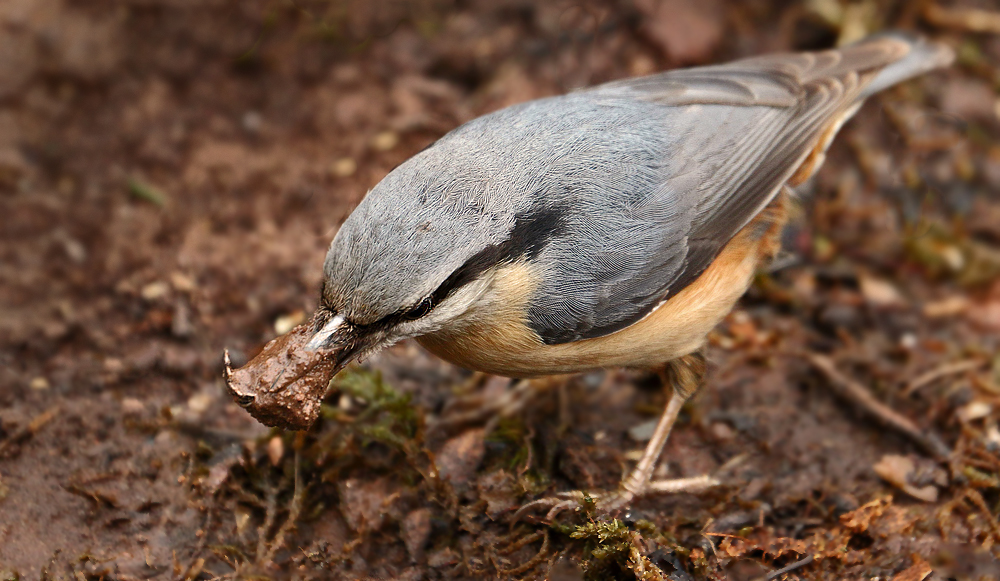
531 232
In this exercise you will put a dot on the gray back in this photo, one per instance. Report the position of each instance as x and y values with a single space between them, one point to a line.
642 182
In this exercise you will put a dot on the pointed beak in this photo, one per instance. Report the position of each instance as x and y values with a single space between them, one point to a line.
285 383
322 337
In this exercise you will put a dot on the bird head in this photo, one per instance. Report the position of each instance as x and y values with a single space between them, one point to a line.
415 257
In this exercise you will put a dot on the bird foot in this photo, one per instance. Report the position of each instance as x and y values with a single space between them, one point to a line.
611 502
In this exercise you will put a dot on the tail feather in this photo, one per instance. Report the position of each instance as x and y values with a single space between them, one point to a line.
919 57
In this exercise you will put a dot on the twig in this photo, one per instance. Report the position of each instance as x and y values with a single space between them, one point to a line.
30 430
862 398
942 371
293 511
977 499
527 445
969 19
269 516
532 562
796 565
198 548
517 544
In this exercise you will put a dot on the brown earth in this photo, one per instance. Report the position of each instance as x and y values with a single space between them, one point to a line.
171 173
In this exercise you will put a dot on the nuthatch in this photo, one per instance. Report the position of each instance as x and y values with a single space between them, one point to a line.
612 226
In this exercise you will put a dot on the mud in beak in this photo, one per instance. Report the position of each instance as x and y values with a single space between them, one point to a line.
284 384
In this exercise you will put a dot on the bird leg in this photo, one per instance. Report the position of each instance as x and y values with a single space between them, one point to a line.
683 377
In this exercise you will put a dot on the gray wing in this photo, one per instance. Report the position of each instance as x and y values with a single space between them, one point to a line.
736 133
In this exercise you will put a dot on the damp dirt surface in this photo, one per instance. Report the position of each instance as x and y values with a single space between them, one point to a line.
172 172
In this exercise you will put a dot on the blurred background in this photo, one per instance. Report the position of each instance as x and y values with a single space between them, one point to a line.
172 171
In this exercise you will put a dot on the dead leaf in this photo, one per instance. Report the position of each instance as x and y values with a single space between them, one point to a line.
860 519
898 471
443 558
773 547
986 315
458 459
364 503
500 491
946 307
879 292
916 572
416 531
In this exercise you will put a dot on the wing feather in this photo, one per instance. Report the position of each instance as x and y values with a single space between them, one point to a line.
742 129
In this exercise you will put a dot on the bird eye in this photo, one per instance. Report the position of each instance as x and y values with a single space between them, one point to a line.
420 310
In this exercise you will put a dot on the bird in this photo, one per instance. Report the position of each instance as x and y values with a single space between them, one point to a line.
613 226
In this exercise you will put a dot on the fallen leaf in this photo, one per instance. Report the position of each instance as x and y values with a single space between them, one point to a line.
416 531
364 503
879 292
898 470
458 459
946 307
860 519
919 571
444 557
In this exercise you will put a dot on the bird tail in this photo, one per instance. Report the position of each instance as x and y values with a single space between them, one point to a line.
918 56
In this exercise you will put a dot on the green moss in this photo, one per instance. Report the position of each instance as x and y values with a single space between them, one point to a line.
607 550
979 479
388 417
147 192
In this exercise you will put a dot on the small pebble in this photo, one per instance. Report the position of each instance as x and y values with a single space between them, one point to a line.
182 282
113 365
275 450
286 323
132 406
643 432
180 324
154 290
722 432
385 141
200 402
252 121
343 167
39 383
75 250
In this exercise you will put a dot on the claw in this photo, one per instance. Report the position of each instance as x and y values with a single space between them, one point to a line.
559 507
550 502
556 504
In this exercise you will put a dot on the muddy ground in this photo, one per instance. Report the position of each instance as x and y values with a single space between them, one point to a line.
171 173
